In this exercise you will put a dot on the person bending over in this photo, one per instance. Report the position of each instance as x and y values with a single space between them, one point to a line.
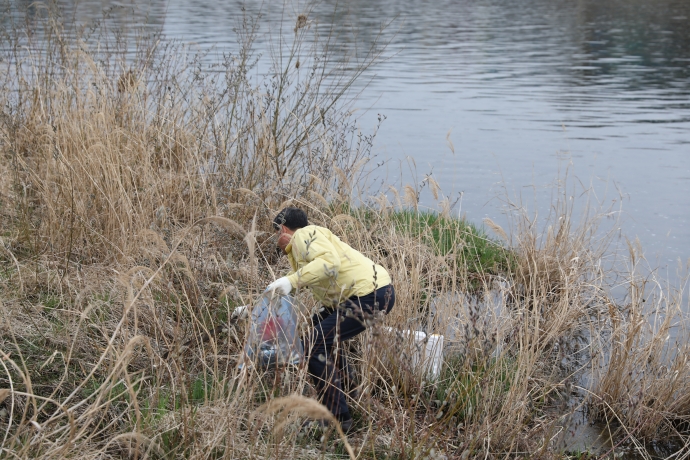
350 287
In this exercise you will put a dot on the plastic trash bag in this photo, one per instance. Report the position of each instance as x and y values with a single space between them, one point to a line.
273 338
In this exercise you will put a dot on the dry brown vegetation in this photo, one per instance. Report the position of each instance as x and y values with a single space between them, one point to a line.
135 200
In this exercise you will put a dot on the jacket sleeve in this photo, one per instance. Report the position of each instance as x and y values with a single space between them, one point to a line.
321 258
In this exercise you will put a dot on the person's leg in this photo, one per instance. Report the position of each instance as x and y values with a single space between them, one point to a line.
322 360
345 323
360 308
340 356
345 370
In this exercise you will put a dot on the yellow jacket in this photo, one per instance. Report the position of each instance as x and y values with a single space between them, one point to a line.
332 269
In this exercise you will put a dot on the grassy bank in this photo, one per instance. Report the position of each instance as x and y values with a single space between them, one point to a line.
135 202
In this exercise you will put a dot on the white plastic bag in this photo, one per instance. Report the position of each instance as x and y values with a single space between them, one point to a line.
273 338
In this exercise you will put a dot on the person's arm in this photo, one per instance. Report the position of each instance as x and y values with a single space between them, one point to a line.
322 260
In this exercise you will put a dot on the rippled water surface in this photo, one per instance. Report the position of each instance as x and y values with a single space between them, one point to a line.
523 87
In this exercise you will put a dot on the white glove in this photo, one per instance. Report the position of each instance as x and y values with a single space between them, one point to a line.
240 312
282 286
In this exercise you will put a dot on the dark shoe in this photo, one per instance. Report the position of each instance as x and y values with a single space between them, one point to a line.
321 426
353 393
346 424
314 426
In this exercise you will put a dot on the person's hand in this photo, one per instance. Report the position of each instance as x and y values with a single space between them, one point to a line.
282 286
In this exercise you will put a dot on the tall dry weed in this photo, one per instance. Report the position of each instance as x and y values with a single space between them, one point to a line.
642 376
99 148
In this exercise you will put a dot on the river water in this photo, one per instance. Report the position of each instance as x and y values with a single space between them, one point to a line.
523 90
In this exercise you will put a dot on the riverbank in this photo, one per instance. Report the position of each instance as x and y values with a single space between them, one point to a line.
136 199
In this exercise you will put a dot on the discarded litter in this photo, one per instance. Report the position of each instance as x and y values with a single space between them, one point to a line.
272 338
427 352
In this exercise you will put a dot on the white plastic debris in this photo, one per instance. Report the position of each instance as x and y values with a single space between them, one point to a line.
427 352
434 355
240 312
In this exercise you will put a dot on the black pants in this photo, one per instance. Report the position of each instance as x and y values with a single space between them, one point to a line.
337 325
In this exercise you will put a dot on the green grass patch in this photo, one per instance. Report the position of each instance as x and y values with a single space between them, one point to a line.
475 250
200 389
465 390
156 406
448 235
50 301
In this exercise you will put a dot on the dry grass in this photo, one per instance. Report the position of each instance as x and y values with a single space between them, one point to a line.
643 376
135 201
